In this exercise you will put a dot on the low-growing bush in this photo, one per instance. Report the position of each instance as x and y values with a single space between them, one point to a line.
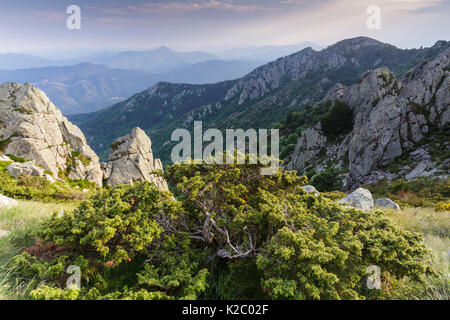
35 188
227 224
338 121
421 192
330 179
443 206
334 195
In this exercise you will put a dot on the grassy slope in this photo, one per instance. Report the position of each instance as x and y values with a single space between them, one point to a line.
40 199
435 226
22 222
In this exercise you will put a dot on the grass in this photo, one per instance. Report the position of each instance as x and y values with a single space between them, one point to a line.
23 222
435 227
438 288
433 287
423 220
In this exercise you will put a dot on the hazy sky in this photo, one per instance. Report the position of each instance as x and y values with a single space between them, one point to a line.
40 25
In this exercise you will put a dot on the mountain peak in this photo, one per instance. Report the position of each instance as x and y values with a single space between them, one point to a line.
163 49
359 42
441 44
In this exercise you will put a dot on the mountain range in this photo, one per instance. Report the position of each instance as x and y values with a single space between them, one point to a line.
92 82
260 99
142 60
88 87
161 59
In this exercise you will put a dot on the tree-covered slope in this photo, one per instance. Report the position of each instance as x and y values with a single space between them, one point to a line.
155 109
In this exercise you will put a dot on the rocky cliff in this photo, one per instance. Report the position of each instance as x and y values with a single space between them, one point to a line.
405 120
131 160
32 128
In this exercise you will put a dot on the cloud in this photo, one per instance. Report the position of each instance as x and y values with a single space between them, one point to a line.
156 7
50 14
409 5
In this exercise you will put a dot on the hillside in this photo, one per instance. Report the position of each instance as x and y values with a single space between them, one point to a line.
258 100
158 108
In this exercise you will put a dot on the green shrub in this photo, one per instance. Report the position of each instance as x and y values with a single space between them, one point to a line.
286 151
4 144
35 188
338 121
421 192
77 155
136 242
16 159
331 179
334 195
111 237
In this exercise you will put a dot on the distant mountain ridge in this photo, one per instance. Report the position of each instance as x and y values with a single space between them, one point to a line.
149 59
257 100
11 61
132 60
87 87
160 59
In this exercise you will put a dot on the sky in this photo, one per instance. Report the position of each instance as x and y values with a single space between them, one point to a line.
39 26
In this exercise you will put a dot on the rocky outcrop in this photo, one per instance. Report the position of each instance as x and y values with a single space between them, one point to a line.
386 203
5 158
28 168
390 118
31 127
131 160
7 202
311 189
298 66
360 199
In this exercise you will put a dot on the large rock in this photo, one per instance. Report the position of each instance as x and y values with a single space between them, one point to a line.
7 202
386 203
131 160
5 158
311 189
28 168
34 129
360 198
